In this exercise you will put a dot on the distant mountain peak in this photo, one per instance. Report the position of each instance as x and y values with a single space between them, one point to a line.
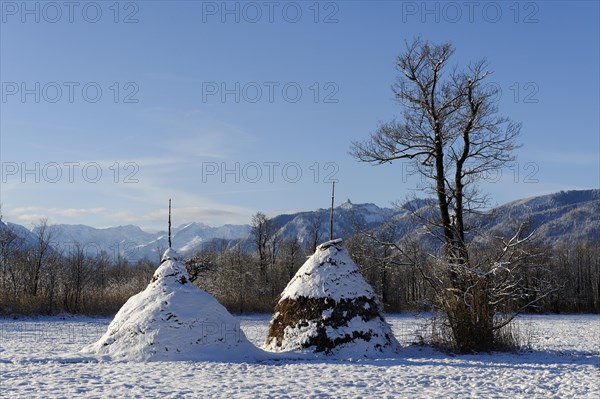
347 205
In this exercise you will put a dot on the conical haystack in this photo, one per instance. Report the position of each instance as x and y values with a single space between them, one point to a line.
174 320
329 307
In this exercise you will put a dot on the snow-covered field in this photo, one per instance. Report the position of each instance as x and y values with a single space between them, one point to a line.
38 360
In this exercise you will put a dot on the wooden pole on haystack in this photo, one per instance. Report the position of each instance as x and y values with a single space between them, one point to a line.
169 222
331 212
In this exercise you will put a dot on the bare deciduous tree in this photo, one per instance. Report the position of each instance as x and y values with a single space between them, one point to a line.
261 228
10 245
314 233
39 254
292 257
77 275
452 134
199 263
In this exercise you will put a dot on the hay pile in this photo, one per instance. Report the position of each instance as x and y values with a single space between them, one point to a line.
328 307
173 320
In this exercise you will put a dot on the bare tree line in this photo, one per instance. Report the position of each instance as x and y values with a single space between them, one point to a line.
39 280
35 278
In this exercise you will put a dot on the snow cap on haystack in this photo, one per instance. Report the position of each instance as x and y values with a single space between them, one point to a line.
172 319
328 307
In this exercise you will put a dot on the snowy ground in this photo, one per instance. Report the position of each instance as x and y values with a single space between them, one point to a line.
564 362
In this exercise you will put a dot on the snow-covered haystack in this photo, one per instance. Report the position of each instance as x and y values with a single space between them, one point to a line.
328 307
172 319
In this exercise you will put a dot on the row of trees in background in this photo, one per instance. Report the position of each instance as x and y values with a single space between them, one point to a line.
36 279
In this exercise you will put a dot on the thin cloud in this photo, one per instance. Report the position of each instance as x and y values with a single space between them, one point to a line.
33 214
576 159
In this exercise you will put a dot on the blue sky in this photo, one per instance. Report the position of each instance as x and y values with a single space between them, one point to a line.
230 108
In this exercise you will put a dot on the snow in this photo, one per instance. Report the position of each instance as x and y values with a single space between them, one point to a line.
564 362
173 320
328 273
346 205
293 335
377 347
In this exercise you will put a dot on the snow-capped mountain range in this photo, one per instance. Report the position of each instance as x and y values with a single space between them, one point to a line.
132 243
568 216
